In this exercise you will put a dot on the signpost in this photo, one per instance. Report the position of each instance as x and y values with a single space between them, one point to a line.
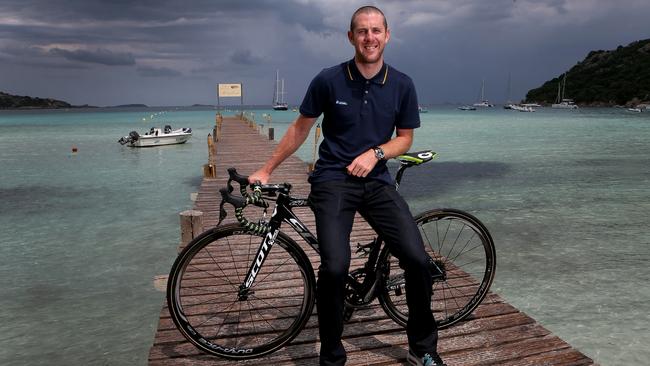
229 90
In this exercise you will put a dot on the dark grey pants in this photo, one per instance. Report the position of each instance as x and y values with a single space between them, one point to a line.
334 204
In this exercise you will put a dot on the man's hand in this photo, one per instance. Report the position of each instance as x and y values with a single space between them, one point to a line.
363 164
261 175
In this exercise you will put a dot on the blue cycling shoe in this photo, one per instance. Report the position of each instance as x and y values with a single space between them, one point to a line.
426 360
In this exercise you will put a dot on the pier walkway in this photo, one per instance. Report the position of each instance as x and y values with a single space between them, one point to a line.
496 334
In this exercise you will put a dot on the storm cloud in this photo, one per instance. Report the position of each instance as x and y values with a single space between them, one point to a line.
63 49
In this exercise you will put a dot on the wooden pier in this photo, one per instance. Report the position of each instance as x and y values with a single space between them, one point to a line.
496 334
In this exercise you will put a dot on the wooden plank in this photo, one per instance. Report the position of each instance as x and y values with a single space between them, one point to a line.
495 334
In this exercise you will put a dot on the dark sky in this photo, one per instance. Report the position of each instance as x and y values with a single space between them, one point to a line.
161 52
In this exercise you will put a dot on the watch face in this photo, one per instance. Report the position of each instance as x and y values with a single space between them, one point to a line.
379 153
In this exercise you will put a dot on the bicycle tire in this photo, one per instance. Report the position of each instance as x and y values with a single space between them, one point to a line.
202 293
453 239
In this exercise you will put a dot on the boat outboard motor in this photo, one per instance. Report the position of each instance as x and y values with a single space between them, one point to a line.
132 137
168 129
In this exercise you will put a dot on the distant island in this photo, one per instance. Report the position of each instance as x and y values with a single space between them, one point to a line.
604 78
129 106
8 101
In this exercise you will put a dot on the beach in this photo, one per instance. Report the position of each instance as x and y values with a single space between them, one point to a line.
564 193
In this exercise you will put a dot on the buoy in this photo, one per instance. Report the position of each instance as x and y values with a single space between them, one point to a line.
74 149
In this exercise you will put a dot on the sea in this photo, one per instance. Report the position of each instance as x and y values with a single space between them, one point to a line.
88 224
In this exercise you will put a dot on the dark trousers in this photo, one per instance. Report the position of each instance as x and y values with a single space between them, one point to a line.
334 204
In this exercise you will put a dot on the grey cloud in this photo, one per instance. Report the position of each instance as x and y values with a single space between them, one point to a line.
149 71
98 56
245 57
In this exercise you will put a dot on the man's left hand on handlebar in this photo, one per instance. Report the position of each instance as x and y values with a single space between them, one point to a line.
259 176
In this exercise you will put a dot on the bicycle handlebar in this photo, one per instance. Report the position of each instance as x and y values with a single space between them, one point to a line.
240 203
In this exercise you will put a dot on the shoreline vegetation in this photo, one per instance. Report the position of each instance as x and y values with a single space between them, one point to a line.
619 77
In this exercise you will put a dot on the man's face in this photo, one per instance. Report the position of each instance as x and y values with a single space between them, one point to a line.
369 37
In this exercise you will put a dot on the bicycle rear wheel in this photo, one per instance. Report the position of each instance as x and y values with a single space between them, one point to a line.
463 265
203 286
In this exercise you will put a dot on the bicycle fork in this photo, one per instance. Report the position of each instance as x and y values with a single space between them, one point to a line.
262 254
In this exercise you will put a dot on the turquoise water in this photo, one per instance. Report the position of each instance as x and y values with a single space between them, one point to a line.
564 193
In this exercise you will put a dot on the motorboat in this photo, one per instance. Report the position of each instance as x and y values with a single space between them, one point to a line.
521 108
483 104
422 109
157 137
467 108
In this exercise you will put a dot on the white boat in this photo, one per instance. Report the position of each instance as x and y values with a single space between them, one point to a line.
521 108
157 137
467 108
483 103
278 96
636 110
560 101
422 109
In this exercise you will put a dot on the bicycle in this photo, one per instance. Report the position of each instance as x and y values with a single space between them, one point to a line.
246 289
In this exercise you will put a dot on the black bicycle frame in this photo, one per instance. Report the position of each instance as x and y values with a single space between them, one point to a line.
281 213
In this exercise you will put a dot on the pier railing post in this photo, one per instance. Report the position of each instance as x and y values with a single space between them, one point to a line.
268 126
210 169
191 225
316 137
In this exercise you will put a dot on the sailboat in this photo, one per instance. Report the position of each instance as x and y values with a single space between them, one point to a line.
483 102
560 101
278 96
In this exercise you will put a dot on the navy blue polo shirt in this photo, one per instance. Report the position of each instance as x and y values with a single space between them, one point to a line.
357 115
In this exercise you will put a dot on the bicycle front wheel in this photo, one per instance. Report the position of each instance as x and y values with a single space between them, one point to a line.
203 287
463 262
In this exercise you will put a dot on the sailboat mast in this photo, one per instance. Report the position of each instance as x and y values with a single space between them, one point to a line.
276 93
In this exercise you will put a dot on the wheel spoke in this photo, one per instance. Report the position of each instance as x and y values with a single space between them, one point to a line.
456 242
209 305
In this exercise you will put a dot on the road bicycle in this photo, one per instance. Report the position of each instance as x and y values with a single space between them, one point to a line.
246 289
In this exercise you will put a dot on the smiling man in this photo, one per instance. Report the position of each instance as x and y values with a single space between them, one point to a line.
369 112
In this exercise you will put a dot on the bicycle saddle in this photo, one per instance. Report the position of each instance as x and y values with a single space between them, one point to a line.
417 157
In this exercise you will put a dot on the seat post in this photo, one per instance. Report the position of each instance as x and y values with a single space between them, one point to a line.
400 172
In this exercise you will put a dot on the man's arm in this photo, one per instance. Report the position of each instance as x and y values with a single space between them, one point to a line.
291 141
364 163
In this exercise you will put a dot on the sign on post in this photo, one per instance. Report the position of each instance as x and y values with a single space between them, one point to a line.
229 90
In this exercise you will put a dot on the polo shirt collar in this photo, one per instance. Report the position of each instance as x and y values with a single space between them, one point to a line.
354 74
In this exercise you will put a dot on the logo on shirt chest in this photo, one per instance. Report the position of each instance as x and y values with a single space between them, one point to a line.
340 102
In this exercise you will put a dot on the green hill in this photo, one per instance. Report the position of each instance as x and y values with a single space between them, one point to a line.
8 101
620 76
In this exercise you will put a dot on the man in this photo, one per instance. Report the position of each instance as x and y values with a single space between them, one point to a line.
363 101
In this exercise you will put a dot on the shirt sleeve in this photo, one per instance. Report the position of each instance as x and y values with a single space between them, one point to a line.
313 104
409 113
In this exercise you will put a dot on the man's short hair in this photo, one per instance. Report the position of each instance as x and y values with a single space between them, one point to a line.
367 9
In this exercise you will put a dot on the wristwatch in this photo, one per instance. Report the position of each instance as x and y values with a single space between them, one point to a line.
379 152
